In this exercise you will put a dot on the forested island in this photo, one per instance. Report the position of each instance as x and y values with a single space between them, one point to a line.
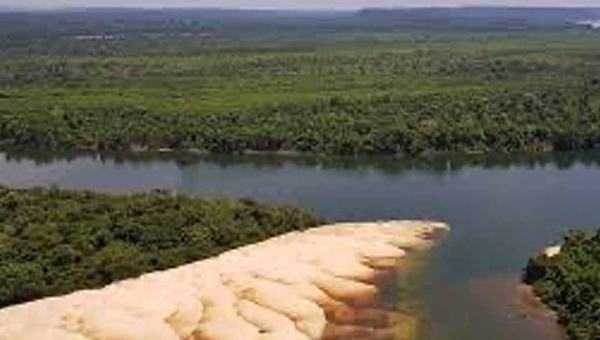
405 82
569 283
54 242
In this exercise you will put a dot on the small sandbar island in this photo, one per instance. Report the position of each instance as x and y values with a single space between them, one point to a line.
322 283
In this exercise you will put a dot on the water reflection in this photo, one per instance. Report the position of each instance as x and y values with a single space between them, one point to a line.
440 163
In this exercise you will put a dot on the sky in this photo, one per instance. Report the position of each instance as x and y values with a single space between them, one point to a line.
284 4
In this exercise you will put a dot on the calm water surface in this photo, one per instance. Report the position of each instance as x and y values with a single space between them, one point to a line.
501 210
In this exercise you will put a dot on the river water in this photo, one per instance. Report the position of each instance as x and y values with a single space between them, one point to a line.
501 209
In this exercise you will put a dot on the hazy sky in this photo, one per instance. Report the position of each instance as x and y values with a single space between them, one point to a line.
287 4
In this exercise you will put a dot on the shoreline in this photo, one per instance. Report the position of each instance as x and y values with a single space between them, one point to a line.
426 155
457 158
515 306
535 304
527 287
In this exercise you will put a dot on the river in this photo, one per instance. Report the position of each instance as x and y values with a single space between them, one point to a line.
501 210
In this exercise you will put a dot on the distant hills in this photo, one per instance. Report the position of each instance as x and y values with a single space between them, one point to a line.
135 21
479 18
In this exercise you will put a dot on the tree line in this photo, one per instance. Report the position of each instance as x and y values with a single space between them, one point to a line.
410 125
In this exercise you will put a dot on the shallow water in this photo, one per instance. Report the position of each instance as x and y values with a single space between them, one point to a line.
501 209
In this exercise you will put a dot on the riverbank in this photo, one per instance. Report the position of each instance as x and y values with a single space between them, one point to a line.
516 306
436 162
320 283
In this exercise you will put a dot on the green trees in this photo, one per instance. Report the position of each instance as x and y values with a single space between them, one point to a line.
54 242
570 284
482 121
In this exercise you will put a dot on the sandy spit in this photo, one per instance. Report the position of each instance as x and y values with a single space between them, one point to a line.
316 284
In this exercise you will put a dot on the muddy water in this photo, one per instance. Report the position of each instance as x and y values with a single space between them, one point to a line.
499 305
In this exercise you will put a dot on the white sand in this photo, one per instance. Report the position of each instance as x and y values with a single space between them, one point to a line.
283 288
551 252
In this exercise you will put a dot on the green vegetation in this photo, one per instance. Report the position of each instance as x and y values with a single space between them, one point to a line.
570 284
55 242
223 82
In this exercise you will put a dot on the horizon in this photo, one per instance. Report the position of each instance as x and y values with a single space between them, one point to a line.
267 5
276 9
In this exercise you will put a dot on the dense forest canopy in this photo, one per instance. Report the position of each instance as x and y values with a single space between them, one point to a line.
55 242
570 283
394 82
